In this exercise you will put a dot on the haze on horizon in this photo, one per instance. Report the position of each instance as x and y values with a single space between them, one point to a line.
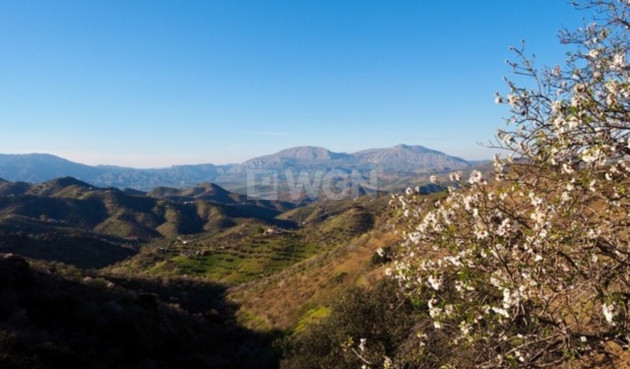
158 83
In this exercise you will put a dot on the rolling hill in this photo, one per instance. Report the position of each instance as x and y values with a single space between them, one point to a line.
72 221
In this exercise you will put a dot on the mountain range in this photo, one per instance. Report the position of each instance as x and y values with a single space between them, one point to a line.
401 161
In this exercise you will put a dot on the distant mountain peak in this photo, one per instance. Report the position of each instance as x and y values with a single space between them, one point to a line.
34 156
416 148
308 153
298 156
404 157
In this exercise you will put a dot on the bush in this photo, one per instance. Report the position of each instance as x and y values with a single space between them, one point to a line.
379 316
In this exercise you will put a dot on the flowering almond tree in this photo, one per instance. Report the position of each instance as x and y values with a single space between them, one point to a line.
532 269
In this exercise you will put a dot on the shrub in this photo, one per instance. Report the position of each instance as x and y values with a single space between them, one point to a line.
376 316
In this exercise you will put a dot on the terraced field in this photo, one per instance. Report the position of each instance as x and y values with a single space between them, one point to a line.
251 249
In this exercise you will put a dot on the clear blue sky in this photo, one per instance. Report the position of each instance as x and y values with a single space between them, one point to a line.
155 83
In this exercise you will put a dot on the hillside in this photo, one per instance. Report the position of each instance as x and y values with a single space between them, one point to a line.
303 293
53 316
251 250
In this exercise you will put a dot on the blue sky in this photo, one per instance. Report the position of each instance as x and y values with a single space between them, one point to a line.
155 83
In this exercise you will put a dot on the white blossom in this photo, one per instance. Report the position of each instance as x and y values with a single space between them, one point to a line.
501 311
476 177
362 343
609 312
434 282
